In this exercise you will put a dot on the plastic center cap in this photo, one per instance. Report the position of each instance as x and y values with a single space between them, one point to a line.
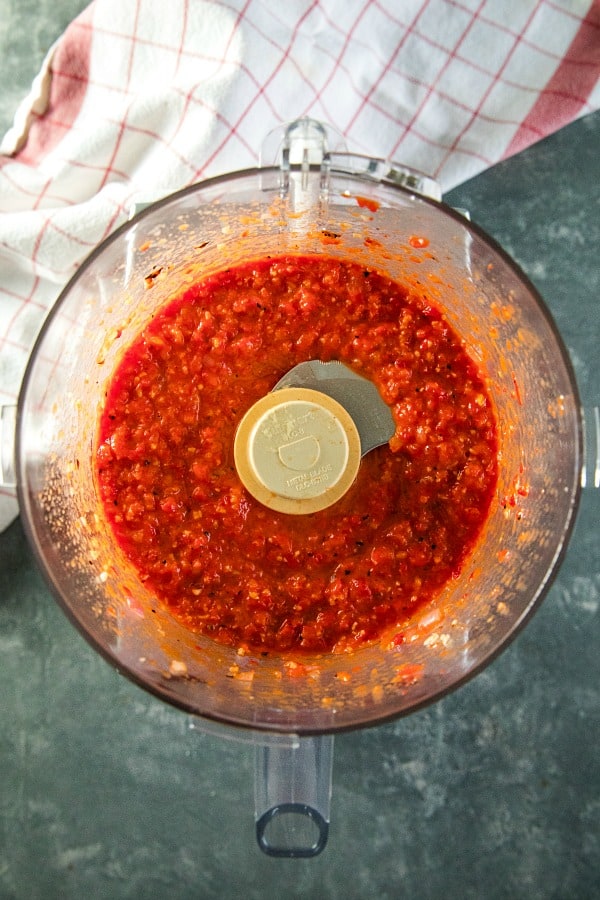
297 450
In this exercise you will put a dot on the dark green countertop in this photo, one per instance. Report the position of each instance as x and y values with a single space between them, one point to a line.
494 792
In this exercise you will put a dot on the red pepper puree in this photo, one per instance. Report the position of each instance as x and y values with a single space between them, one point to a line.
230 568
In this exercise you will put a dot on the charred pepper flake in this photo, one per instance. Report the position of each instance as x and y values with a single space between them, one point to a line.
150 278
238 572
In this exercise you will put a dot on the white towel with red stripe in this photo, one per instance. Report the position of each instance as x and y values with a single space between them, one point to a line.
141 97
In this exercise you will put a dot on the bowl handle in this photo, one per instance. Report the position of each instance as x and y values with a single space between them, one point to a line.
293 796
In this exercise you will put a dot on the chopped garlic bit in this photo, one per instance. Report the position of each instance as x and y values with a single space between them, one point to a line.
177 667
436 638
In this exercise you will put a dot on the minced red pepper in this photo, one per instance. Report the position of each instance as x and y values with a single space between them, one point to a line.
230 568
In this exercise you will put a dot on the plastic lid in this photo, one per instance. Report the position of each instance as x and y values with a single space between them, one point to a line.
297 450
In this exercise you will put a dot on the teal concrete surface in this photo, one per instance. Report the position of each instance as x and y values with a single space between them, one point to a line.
494 792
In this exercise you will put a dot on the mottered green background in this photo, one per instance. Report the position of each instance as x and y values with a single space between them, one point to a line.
494 792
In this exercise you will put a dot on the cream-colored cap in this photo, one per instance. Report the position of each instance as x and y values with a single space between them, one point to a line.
297 450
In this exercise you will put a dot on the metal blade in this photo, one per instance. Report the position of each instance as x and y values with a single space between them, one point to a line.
359 397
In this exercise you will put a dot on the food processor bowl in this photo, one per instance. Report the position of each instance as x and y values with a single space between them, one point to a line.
357 209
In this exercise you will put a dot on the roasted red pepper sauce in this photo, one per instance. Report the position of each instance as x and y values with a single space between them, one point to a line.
232 569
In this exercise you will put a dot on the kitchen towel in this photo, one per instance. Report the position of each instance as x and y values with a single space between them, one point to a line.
141 97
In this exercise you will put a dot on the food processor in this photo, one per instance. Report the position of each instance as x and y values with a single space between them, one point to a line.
308 195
